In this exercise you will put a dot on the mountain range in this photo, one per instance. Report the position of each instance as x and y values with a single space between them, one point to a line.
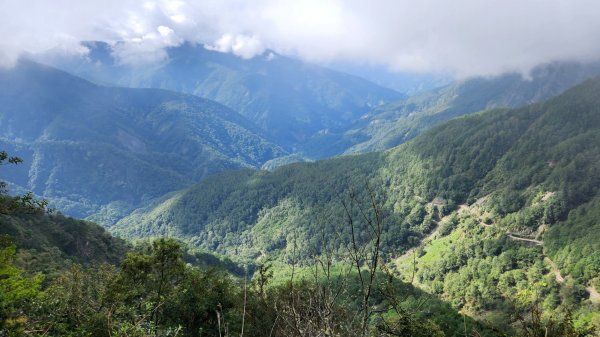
508 154
395 123
315 112
87 146
55 120
504 189
485 190
290 100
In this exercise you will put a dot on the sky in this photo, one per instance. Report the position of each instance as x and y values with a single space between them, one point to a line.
458 37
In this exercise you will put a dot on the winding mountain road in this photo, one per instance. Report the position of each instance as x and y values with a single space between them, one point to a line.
518 238
466 210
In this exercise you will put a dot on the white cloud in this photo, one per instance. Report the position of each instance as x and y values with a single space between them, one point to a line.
179 18
147 48
223 44
241 45
465 37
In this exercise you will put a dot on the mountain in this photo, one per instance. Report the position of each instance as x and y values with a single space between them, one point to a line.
91 149
290 100
398 122
504 190
317 112
454 162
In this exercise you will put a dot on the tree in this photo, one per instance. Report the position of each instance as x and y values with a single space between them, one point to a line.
345 294
73 304
25 203
205 299
537 326
147 281
16 290
5 159
365 255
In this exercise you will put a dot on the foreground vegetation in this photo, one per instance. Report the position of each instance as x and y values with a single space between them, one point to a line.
154 293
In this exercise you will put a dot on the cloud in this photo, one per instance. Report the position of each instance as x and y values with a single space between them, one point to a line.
143 28
463 37
243 46
148 48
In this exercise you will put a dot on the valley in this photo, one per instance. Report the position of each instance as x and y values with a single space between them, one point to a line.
213 194
503 174
291 101
103 150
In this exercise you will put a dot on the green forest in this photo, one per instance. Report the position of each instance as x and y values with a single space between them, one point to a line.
484 226
525 174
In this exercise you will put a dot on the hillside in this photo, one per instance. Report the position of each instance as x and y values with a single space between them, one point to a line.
398 122
532 171
456 162
290 100
99 298
91 149
52 243
61 276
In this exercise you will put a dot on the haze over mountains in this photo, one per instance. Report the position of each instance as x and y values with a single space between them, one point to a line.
489 186
395 123
173 139
314 111
86 146
290 100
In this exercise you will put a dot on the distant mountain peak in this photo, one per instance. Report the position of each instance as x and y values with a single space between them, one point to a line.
288 99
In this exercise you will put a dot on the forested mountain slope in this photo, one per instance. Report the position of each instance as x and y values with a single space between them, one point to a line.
499 152
290 100
530 234
87 146
50 243
60 276
398 122
532 172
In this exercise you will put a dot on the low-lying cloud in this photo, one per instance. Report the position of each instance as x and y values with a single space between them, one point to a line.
463 37
241 45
